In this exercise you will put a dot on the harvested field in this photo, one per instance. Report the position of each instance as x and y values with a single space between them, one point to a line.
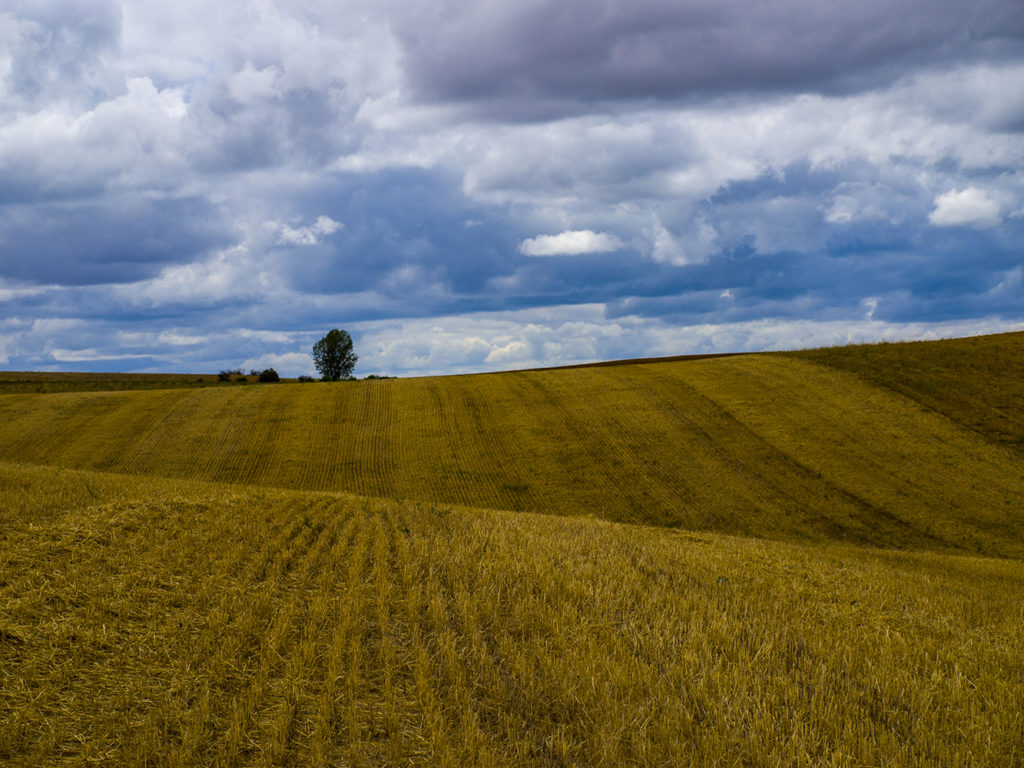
162 622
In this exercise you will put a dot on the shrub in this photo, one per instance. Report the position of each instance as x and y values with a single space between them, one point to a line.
306 379
269 376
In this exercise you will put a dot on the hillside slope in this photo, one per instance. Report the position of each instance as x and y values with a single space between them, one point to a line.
760 445
149 622
977 382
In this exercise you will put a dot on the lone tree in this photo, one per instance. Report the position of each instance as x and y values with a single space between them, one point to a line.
333 356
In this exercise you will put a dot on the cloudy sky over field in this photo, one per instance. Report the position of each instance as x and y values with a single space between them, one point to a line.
478 185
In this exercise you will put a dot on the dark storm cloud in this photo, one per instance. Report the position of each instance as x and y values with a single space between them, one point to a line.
830 244
112 241
896 275
578 51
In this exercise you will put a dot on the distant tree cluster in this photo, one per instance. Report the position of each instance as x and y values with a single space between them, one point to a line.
229 374
267 375
333 356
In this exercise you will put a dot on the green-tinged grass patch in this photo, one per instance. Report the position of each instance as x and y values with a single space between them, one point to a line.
977 382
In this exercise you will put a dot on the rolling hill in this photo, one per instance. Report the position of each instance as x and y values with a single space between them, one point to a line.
763 445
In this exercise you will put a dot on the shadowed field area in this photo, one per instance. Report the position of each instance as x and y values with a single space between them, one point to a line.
977 382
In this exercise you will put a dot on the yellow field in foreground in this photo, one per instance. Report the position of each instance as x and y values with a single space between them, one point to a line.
755 445
164 622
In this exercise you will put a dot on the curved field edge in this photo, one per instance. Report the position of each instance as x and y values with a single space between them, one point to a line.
978 382
172 623
761 445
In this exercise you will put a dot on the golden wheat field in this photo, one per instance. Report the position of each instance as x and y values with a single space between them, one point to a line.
750 561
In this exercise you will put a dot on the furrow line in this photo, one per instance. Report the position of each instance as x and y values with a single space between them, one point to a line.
147 453
348 663
384 390
377 475
504 484
454 436
445 672
337 586
282 721
252 438
319 447
282 599
584 461
218 661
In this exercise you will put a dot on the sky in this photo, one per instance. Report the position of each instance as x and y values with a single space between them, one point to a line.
469 186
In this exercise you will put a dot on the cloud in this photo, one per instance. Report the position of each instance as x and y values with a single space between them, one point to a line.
310 235
1010 286
584 333
514 351
119 238
185 168
549 56
695 248
857 201
570 243
971 207
287 364
10 291
91 356
54 50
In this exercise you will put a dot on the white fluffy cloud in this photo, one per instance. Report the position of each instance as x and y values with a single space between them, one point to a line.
570 243
311 235
971 207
